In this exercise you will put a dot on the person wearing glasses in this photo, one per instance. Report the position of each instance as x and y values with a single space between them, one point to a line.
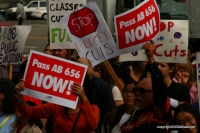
151 106
118 116
143 93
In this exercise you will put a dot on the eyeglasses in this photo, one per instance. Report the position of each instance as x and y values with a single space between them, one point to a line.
141 90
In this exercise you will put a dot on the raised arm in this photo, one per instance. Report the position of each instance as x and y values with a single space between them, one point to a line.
159 87
36 112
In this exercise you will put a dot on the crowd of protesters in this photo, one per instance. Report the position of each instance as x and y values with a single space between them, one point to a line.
157 97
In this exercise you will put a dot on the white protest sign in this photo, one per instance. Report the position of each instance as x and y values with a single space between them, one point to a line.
198 73
59 38
12 41
49 78
90 34
171 46
137 26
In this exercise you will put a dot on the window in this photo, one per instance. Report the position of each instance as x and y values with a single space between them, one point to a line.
43 4
174 10
33 4
124 5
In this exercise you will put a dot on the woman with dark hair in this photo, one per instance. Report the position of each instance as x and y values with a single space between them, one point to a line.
7 109
186 115
86 113
118 116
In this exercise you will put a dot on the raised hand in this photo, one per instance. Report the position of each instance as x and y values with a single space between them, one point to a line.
149 50
20 86
182 76
79 90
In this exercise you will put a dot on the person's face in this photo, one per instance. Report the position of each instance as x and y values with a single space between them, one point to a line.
143 95
164 68
48 50
128 95
186 119
60 53
97 72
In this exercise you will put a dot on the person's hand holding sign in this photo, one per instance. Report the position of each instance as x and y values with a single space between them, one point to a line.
149 50
20 87
79 90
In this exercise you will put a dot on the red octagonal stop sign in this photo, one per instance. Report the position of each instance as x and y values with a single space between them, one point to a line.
83 22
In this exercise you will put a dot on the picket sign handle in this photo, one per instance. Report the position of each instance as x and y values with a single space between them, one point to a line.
10 71
148 75
118 83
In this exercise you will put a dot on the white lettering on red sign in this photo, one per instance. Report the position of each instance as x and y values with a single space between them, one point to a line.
48 82
83 21
40 65
57 68
141 31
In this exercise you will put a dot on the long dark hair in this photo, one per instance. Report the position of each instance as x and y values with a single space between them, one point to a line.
186 107
137 68
7 87
124 74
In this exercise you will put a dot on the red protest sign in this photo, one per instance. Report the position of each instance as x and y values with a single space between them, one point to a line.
138 25
83 22
49 78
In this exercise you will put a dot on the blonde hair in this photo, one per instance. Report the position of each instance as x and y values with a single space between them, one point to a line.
188 68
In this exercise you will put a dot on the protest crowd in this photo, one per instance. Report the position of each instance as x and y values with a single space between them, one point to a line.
153 97
167 98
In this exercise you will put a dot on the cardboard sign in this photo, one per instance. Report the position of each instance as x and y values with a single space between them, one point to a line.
59 38
198 73
90 34
49 78
171 45
137 26
12 40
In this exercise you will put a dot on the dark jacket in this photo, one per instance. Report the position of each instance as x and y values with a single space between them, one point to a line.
103 97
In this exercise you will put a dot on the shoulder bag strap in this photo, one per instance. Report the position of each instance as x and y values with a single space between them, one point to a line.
5 120
75 123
